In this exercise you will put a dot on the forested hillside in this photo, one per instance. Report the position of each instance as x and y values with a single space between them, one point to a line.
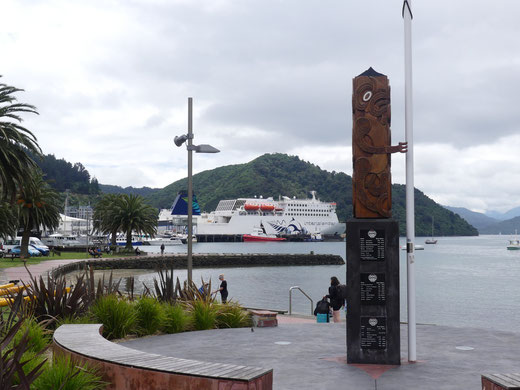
62 175
278 174
143 191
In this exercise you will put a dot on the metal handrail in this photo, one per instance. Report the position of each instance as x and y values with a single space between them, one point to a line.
303 292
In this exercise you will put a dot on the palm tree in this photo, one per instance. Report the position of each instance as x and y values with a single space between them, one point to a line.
8 220
104 216
38 207
15 142
134 215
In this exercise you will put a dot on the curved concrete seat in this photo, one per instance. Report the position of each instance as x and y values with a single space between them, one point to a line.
126 368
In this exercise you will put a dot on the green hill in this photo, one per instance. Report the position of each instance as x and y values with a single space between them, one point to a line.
111 189
62 175
280 174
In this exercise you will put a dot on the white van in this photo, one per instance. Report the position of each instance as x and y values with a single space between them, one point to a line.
10 243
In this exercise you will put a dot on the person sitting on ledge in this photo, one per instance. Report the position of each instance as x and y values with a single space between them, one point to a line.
92 252
137 251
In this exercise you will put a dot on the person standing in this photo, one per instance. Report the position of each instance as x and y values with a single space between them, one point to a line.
336 301
223 289
162 249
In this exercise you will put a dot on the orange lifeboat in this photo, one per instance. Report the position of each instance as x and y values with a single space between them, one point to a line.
251 207
267 207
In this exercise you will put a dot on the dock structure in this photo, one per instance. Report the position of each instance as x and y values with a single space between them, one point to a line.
202 260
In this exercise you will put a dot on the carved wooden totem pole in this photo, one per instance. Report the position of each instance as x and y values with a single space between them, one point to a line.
371 187
373 326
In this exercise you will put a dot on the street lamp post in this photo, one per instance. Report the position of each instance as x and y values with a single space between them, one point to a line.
179 140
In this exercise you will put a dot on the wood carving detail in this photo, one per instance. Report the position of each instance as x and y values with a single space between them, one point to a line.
371 146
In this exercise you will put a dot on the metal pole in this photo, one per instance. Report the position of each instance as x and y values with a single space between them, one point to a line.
410 200
190 190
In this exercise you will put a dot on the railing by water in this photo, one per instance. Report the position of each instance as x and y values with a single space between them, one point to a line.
303 292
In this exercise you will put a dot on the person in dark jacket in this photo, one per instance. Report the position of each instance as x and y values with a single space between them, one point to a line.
223 289
335 300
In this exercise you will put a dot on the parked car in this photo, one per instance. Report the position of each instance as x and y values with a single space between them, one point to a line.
43 249
16 241
32 251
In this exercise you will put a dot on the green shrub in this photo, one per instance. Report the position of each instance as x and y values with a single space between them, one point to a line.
37 337
84 319
203 315
175 319
232 315
33 360
53 299
12 358
149 315
116 315
64 374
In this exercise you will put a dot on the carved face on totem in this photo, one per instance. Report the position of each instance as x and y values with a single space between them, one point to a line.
372 191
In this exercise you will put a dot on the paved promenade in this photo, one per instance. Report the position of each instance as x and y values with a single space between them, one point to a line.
307 355
20 272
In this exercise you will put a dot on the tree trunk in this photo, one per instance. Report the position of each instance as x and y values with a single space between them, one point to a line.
113 238
129 240
24 251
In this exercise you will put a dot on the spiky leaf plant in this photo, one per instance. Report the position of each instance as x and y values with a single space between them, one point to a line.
117 316
232 315
65 374
52 300
149 315
203 314
175 319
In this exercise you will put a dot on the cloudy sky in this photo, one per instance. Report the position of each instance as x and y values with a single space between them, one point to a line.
111 78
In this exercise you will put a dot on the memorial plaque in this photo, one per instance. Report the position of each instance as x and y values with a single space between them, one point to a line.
372 243
373 325
372 289
373 332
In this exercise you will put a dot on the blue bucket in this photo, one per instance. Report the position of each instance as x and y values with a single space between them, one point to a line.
322 318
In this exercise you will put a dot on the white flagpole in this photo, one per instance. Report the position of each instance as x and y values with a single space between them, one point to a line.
410 200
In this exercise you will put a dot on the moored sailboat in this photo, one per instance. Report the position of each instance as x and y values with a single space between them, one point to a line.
431 240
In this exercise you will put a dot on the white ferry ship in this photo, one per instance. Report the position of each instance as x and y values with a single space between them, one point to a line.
286 216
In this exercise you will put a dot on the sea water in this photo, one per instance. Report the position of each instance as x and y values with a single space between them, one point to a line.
460 281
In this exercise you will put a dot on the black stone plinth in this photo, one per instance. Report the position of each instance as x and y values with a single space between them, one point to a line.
373 333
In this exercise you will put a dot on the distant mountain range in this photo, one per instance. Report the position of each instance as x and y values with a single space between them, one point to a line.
279 174
503 223
478 220
503 216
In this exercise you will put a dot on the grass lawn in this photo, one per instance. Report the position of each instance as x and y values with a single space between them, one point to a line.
7 262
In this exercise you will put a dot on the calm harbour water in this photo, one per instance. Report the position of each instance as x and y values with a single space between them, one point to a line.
461 281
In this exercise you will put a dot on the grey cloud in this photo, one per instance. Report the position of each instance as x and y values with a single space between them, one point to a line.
281 70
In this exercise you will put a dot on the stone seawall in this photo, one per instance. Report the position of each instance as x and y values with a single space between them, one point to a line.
217 260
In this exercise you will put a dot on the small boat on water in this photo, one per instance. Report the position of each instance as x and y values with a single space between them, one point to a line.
431 240
259 234
165 241
514 245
